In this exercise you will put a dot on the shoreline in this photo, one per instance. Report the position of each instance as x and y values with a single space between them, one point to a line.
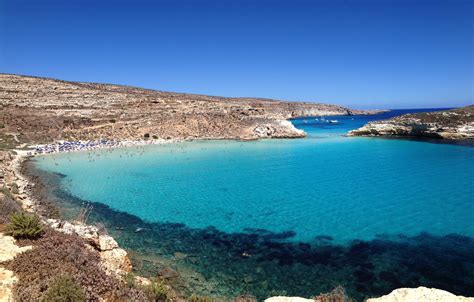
114 259
18 163
91 145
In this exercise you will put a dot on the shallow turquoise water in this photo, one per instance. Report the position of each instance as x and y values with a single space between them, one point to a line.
284 217
346 188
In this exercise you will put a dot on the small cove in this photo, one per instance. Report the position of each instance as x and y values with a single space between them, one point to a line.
285 216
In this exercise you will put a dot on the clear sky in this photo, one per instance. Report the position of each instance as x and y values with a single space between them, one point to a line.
362 54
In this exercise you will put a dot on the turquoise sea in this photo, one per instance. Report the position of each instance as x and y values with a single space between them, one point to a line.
293 217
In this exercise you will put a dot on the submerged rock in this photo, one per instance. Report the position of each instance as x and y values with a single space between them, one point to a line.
168 273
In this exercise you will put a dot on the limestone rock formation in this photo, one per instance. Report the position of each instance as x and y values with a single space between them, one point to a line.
7 280
420 294
8 251
450 124
114 259
107 243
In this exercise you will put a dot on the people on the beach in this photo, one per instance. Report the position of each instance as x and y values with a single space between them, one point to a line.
67 146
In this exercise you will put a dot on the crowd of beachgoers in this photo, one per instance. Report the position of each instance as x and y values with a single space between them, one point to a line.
70 146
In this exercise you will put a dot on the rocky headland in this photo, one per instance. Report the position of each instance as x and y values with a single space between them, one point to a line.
452 124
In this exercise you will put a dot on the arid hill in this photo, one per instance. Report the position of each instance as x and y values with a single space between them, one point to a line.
450 124
44 110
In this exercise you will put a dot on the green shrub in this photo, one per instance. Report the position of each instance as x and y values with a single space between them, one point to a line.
24 226
14 188
8 206
129 279
7 192
64 289
157 292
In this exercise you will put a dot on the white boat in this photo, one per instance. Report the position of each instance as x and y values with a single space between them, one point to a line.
333 121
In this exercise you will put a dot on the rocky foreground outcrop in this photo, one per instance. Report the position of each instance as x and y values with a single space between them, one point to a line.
43 110
420 294
8 251
450 124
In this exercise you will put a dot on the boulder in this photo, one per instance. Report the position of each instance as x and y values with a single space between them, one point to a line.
9 249
7 280
116 261
107 243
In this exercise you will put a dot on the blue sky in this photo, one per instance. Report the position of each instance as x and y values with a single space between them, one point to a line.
362 54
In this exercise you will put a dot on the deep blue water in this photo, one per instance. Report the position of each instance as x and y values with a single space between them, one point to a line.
281 202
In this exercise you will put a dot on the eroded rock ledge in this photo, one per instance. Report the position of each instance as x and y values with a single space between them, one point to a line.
450 124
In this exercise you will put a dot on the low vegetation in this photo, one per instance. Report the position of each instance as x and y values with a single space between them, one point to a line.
6 191
24 226
338 294
64 289
58 254
8 205
157 292
14 188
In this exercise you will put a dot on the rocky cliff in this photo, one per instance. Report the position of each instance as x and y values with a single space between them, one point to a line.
43 110
450 124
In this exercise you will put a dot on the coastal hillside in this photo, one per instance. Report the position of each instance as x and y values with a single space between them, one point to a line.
450 124
43 110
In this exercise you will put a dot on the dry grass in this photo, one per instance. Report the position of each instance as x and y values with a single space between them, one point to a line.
338 294
84 213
